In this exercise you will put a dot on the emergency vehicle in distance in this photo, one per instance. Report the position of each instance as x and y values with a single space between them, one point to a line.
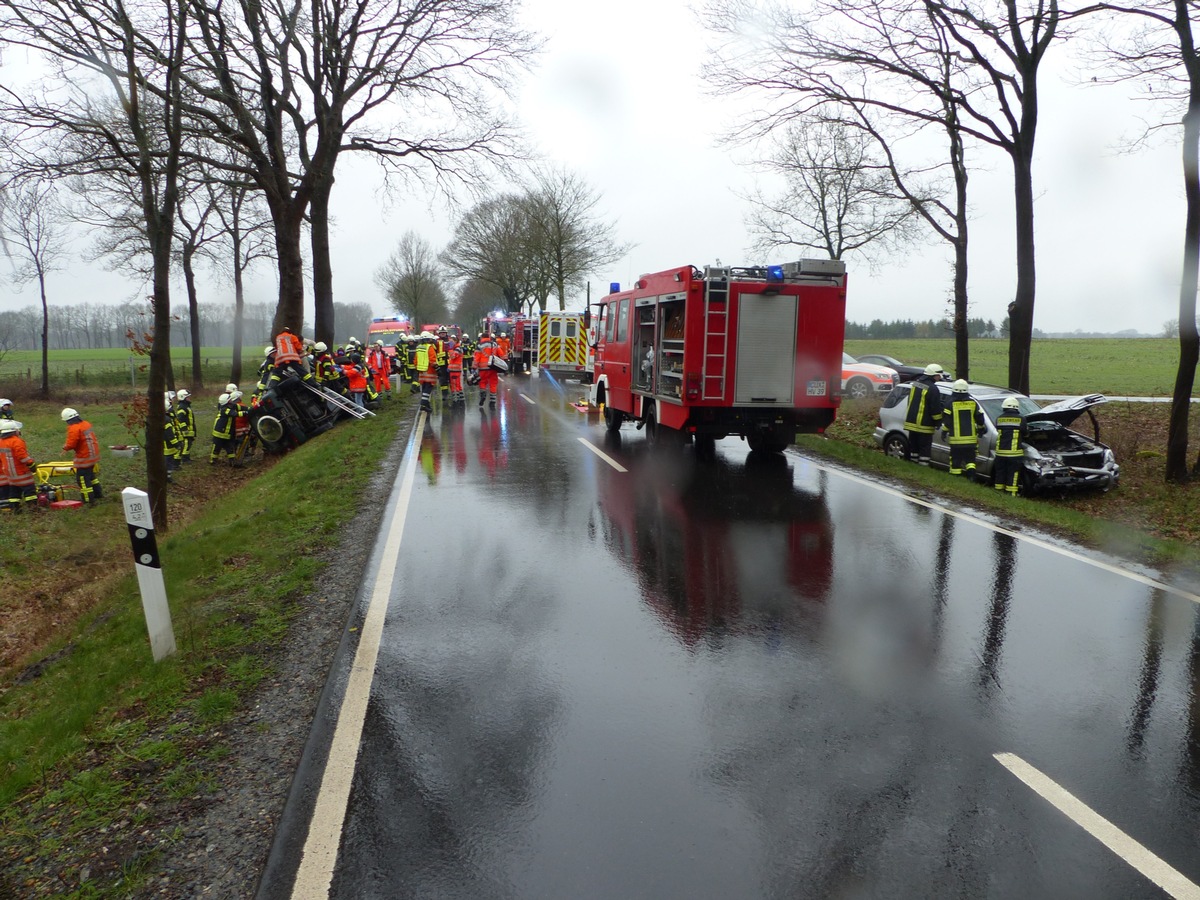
389 331
552 340
753 351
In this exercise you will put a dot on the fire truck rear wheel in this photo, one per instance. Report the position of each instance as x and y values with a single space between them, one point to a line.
613 418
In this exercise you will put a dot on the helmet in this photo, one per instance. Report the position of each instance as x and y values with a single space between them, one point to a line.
961 386
223 399
443 330
934 369
230 387
426 335
1010 403
235 395
5 402
170 395
267 351
183 394
8 426
68 414
379 343
353 340
320 346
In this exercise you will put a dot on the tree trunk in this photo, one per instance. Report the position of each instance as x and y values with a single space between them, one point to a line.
160 362
45 391
962 348
239 310
324 326
288 220
1020 311
1189 340
189 278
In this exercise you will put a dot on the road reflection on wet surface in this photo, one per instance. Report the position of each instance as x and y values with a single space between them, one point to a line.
749 677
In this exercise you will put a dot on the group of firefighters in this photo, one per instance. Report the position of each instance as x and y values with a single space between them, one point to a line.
19 470
963 420
449 363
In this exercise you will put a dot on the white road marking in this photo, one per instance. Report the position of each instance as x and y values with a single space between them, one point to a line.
1045 545
315 873
529 400
604 456
1131 851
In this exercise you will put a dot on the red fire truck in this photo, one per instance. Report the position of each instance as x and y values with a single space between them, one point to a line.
389 330
755 352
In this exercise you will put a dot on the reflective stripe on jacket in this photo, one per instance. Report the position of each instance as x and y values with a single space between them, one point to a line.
1008 440
924 407
287 348
966 419
21 464
223 426
82 441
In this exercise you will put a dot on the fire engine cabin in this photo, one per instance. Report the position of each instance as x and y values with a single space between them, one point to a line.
755 352
388 330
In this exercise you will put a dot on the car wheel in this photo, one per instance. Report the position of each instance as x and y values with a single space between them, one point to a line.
895 445
858 388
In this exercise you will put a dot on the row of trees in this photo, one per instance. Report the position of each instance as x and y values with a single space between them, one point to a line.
898 329
852 94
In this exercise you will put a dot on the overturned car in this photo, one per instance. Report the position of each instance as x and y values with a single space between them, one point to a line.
291 412
1056 457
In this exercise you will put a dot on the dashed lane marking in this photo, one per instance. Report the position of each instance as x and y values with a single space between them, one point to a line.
315 873
1131 851
604 456
528 400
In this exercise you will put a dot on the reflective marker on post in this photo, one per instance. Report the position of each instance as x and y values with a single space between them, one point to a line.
149 572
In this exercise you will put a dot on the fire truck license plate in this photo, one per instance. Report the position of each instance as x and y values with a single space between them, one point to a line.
816 389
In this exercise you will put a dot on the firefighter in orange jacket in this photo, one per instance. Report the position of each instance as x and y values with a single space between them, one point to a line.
20 466
503 346
289 353
381 367
81 441
427 368
488 379
454 363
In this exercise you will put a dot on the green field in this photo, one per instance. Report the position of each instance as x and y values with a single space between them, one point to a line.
115 366
1119 367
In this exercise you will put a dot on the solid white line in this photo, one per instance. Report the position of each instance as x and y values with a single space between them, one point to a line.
315 873
1165 876
1045 545
529 400
604 456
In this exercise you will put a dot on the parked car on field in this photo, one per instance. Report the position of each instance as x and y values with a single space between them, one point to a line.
863 379
1056 458
906 372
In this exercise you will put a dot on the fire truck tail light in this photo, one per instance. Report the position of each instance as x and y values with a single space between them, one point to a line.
691 381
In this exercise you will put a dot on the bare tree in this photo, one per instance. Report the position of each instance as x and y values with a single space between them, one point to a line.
565 230
1162 53
492 244
33 232
838 198
411 280
476 299
130 57
979 70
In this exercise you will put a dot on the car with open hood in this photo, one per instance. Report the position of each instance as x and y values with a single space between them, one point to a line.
861 380
1057 458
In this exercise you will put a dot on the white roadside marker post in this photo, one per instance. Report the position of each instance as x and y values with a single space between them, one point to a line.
149 572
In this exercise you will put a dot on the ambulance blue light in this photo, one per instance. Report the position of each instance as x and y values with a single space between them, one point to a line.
614 286
774 273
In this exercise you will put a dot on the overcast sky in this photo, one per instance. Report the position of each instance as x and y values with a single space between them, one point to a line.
617 98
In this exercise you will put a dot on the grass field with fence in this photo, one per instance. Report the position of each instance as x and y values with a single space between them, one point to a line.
21 370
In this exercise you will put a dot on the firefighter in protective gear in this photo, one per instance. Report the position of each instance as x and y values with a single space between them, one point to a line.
962 430
223 429
185 419
19 466
380 366
454 364
924 413
443 370
503 346
289 353
488 379
6 410
1010 454
81 440
356 379
172 439
427 368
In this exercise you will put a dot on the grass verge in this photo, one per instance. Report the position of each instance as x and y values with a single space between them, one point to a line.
93 733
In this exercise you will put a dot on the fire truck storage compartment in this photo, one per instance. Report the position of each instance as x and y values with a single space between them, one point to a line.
669 362
766 349
644 345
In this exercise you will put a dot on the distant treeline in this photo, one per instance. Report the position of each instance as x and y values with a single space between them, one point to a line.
93 326
907 328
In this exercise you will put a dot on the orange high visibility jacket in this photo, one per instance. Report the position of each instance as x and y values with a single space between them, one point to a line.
357 381
502 346
21 473
288 348
82 441
483 356
454 359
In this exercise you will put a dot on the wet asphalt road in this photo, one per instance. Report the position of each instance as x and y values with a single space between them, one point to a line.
747 677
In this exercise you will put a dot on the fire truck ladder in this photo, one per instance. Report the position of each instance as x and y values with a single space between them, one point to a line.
338 400
716 336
